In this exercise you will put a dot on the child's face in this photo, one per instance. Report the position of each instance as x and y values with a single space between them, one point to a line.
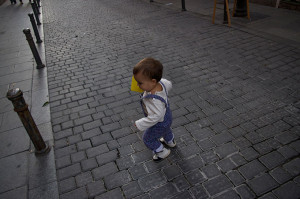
145 83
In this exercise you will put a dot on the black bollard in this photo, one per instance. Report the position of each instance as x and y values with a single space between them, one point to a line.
183 5
37 7
225 19
33 49
38 3
36 32
34 8
16 97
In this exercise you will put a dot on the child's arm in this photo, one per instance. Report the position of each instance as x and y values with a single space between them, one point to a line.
156 112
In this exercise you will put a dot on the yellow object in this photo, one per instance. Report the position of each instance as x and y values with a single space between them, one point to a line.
134 86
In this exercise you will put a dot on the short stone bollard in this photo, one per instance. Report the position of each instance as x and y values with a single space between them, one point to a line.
33 49
35 11
16 97
36 32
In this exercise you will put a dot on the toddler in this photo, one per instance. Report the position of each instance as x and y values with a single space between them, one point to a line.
155 105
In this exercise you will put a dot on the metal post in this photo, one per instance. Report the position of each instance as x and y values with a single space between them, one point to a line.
33 49
225 19
183 5
36 32
16 97
34 8
241 8
37 7
38 3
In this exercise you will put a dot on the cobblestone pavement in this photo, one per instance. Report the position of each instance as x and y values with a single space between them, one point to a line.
235 104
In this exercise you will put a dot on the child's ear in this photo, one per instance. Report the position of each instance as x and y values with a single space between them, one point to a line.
154 81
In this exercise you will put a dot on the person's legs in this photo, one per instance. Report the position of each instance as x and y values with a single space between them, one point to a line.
150 139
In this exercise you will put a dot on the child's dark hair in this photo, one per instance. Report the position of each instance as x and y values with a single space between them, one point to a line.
149 67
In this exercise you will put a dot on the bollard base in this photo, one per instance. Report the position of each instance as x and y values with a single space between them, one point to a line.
39 41
40 66
43 151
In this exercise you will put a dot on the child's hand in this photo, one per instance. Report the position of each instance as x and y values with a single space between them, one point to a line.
133 126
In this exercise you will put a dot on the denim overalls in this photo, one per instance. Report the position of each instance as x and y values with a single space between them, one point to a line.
161 129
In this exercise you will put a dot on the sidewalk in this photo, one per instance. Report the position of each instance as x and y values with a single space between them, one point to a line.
269 22
23 174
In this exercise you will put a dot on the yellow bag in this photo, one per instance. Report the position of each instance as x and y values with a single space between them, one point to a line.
134 86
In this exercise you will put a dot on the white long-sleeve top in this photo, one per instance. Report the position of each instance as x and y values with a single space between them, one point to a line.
156 108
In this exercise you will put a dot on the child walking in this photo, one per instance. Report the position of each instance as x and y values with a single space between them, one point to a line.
155 104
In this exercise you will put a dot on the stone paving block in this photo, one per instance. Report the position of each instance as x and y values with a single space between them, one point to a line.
254 137
181 183
94 151
152 166
77 157
172 172
195 177
142 156
226 164
101 139
73 139
113 194
217 185
184 194
75 194
83 179
125 150
293 167
92 125
130 139
190 164
242 143
62 134
249 154
117 179
280 175
166 191
69 171
245 192
211 170
90 133
88 164
222 138
107 157
104 170
190 150
121 132
95 188
113 144
235 177
66 185
65 151
132 189
63 162
295 145
151 181
262 184
199 192
228 194
269 195
206 144
110 127
238 160
272 160
252 169
209 157
226 150
237 132
125 162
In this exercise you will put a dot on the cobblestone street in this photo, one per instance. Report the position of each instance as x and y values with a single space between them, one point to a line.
235 103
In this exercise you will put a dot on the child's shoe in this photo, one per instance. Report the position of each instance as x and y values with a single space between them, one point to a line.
158 156
171 144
